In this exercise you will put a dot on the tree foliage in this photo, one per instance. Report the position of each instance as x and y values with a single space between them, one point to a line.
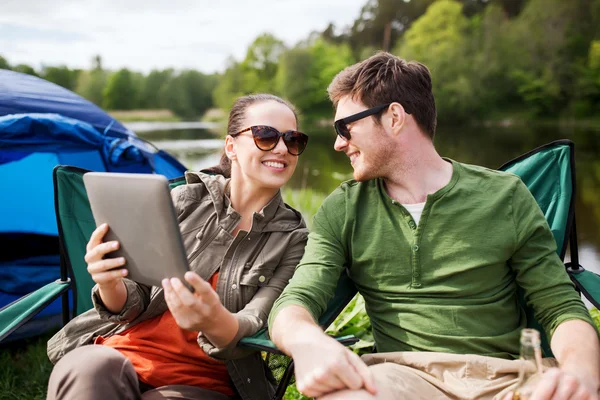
4 63
488 58
189 94
25 69
62 76
121 92
437 39
91 84
306 71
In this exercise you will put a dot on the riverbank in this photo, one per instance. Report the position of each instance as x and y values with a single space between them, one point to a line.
158 115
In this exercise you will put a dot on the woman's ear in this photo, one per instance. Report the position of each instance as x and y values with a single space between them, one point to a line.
230 148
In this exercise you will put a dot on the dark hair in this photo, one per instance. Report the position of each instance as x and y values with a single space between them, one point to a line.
234 125
384 78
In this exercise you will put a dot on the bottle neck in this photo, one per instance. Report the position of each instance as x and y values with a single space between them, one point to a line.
531 354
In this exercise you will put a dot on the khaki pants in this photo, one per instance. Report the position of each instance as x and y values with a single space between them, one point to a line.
428 376
101 372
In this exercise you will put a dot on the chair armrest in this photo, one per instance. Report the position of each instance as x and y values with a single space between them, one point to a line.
260 341
588 283
17 313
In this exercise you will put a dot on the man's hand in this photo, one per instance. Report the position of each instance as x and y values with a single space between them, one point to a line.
192 311
558 384
577 350
322 364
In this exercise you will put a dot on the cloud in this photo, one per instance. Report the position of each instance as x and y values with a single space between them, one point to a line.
25 33
147 34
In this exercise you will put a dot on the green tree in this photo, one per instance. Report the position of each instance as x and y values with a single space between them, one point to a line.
293 77
4 63
154 83
554 38
261 63
438 39
492 58
382 22
121 91
189 94
230 85
199 90
62 76
25 69
175 96
305 72
327 60
511 8
255 74
91 84
594 56
586 99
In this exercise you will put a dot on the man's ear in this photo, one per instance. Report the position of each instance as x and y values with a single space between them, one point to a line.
397 118
230 150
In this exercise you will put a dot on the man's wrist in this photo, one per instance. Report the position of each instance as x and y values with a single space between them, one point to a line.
302 335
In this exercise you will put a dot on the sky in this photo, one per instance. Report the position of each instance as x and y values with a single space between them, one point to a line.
155 34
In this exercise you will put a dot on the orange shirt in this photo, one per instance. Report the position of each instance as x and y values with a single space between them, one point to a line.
164 354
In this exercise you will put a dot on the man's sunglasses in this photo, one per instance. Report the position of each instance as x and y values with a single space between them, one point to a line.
341 126
267 137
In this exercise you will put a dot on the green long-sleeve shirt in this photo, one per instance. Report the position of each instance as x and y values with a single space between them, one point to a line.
448 284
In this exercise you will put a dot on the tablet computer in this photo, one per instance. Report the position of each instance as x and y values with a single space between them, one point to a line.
141 216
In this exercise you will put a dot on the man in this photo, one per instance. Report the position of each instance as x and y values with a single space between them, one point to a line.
437 249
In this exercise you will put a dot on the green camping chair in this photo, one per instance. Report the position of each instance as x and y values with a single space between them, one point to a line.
75 226
549 173
75 220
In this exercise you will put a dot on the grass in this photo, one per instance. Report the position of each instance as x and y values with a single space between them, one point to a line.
25 368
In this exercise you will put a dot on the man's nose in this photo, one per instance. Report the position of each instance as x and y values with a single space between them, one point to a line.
340 143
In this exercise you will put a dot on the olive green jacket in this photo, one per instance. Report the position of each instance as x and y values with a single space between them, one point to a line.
248 289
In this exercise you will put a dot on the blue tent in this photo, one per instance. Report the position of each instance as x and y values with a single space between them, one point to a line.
43 125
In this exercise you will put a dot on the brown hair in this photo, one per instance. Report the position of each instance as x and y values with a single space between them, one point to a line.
234 125
384 78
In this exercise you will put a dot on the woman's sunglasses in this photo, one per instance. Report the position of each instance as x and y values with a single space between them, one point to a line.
267 137
341 126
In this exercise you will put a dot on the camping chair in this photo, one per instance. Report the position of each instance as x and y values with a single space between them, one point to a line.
75 226
549 173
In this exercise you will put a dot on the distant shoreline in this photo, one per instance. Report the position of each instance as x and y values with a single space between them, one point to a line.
218 116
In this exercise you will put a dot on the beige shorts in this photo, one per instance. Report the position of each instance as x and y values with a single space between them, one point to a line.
423 375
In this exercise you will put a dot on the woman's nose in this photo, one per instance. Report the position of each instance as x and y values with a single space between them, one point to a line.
280 147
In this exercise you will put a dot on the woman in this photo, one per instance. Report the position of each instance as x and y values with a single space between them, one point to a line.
243 245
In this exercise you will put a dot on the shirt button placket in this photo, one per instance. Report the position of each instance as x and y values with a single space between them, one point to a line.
416 276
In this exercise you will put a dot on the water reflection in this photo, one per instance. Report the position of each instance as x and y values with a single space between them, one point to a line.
323 169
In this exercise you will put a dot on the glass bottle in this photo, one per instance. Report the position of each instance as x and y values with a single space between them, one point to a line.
531 367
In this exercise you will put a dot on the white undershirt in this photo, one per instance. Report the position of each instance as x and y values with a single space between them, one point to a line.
415 210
